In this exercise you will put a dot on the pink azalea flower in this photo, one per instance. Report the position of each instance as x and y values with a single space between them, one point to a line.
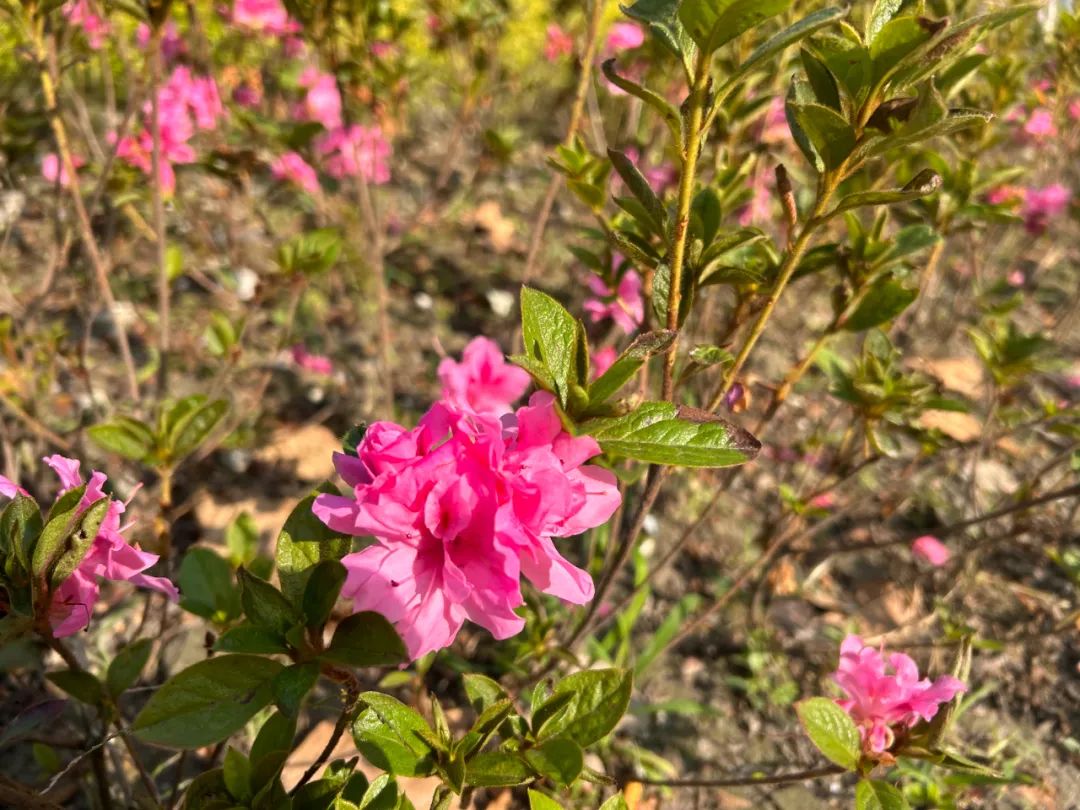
81 14
267 17
931 550
294 47
461 507
295 169
826 500
382 50
774 125
323 100
760 206
315 363
247 95
624 305
483 382
53 170
602 360
558 44
356 150
1044 204
1040 124
886 693
624 36
172 45
1074 109
110 555
1005 195
1016 278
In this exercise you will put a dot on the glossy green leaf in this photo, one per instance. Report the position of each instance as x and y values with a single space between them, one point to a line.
880 13
61 522
236 771
242 539
78 543
322 591
538 801
831 730
125 669
640 188
616 802
551 339
626 365
873 794
559 759
497 769
304 541
292 685
264 605
247 638
922 185
194 428
406 753
661 433
207 702
366 639
714 23
829 133
597 700
897 39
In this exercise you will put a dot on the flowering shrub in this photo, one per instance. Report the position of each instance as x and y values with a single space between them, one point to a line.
789 365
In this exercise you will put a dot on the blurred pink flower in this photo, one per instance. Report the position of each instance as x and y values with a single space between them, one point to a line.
323 100
292 167
81 14
624 304
1005 195
1074 109
1040 124
624 36
172 45
109 557
382 50
1044 204
1016 278
52 168
886 693
356 150
929 549
602 360
461 507
558 44
774 125
826 500
247 95
759 209
267 17
294 47
483 382
660 178
315 363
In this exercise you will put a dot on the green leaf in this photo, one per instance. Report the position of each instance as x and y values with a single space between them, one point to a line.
778 42
194 428
657 102
831 730
873 794
292 685
126 437
128 665
662 18
304 541
382 794
828 132
61 522
558 759
923 184
412 730
78 543
826 90
538 801
206 586
247 638
897 39
714 23
550 336
366 639
482 691
597 700
880 13
20 528
310 253
626 365
80 685
661 293
237 774
322 591
641 189
497 769
208 790
709 356
275 736
383 747
207 702
242 539
661 433
885 300
264 605
616 802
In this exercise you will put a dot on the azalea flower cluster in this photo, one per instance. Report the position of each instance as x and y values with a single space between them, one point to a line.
1038 204
885 693
186 103
465 504
110 556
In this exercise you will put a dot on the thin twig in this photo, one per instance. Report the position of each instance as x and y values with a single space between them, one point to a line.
745 781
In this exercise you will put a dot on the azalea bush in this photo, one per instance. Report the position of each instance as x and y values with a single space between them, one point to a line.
519 404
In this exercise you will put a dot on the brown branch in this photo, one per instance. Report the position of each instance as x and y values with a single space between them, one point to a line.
745 781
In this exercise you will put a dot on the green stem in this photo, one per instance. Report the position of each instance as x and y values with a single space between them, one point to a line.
692 142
